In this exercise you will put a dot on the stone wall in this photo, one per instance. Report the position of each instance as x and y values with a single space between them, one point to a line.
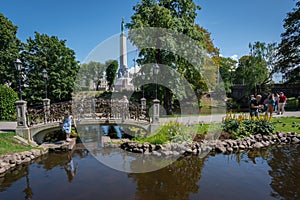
220 146
8 161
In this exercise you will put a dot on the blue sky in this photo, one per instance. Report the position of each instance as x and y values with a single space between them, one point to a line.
85 24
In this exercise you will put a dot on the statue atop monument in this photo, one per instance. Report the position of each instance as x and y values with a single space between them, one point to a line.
122 25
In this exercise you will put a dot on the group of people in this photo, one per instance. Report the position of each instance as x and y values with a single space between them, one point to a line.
273 103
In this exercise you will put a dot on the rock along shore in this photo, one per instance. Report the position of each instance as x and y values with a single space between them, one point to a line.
227 146
219 146
8 161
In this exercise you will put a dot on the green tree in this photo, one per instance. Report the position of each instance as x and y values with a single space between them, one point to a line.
257 68
225 64
111 72
52 54
9 52
289 47
91 73
174 15
207 42
8 97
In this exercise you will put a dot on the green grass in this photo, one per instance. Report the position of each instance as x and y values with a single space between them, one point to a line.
287 124
163 135
176 132
9 145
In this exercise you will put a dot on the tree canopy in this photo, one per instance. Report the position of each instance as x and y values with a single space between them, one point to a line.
90 75
49 53
111 72
177 15
289 47
9 52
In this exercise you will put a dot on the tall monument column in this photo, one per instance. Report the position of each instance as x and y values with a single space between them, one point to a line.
123 51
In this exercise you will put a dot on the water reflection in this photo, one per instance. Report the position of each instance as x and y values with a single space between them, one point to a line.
93 138
175 181
70 168
285 172
113 131
264 174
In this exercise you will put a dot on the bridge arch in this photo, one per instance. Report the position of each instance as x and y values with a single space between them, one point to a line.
39 132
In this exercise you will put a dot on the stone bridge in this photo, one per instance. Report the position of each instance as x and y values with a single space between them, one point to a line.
35 122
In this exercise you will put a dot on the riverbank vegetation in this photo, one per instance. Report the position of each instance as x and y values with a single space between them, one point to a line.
233 126
242 125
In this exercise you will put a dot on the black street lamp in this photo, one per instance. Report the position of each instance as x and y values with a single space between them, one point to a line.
155 72
143 78
19 67
45 76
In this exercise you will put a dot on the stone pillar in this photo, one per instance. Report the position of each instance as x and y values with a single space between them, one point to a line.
155 117
21 113
46 106
143 103
22 128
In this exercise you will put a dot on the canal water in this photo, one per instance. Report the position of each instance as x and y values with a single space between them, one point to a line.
272 173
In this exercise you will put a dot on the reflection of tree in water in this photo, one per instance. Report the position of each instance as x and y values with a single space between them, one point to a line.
176 181
48 162
15 175
285 173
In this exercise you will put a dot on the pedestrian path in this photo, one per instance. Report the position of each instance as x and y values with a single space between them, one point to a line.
11 126
7 126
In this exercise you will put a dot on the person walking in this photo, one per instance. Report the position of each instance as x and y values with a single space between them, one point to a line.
281 103
271 104
276 98
255 106
124 108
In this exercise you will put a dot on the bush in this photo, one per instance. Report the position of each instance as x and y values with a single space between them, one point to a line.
291 104
242 125
170 132
8 97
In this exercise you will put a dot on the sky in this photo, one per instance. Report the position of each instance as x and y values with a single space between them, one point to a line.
233 24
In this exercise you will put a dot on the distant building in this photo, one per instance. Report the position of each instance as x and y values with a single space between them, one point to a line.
103 86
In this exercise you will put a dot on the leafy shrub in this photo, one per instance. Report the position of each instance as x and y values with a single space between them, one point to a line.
291 104
8 97
242 125
170 132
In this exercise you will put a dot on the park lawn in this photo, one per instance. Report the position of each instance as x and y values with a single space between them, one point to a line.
184 133
282 124
9 145
287 124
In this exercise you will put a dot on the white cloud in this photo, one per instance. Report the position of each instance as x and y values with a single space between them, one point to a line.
235 57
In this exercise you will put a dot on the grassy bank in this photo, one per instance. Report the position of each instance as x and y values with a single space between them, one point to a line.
178 132
287 124
9 145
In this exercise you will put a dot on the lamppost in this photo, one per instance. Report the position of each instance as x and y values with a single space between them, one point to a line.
45 76
19 66
155 72
232 69
155 117
143 100
21 106
46 101
143 78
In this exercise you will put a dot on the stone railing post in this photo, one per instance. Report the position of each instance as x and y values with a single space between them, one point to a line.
155 117
46 107
143 103
22 128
